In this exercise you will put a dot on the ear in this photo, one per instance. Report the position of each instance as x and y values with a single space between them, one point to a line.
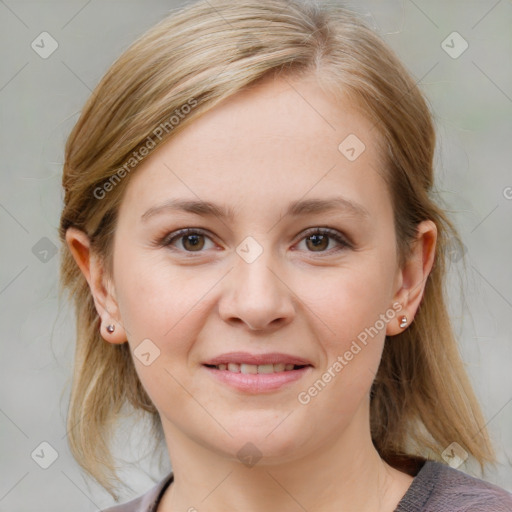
101 287
411 279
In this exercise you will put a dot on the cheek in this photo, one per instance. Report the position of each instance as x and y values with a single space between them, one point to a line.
153 296
349 314
161 314
169 306
346 300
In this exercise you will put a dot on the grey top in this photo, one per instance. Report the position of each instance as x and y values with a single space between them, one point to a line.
436 488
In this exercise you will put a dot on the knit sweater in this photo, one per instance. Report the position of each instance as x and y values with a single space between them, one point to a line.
436 488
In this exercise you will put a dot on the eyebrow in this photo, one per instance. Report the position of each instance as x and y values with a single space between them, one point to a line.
296 208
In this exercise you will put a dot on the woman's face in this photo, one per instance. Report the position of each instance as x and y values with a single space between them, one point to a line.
257 285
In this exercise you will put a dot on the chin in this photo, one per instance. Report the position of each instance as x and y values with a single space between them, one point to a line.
252 444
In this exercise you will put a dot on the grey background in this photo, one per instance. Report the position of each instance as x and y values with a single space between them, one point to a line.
40 99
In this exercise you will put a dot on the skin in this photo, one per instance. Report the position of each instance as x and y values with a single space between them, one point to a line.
255 153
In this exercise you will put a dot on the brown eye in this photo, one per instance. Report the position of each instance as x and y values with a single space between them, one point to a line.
191 240
317 240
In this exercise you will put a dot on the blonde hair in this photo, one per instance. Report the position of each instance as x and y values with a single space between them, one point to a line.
421 399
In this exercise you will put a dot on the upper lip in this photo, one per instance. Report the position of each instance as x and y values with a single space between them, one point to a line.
257 359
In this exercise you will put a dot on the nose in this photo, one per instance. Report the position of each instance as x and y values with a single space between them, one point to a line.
256 294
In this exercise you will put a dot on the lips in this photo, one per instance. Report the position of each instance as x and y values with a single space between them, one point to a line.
257 373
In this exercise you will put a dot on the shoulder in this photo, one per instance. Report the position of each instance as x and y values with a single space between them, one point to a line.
147 502
438 487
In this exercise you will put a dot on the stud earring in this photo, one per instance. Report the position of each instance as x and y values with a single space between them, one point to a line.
403 321
111 328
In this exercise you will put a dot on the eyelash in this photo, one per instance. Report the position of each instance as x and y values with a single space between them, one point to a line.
169 239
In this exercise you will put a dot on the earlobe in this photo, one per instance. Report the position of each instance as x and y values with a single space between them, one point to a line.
413 277
104 300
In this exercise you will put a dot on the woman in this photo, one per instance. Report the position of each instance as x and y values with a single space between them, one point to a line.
257 263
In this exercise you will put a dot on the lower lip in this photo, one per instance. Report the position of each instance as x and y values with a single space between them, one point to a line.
258 382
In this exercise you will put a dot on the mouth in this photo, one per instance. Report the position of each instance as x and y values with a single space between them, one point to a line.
252 369
255 374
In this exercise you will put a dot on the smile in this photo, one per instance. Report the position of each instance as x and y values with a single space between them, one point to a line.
257 379
256 369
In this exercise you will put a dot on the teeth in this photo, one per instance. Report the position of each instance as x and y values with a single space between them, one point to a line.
254 369
248 368
265 368
233 367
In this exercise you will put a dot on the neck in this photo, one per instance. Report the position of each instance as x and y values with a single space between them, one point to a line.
345 474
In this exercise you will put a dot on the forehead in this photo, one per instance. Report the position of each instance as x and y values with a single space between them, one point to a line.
292 115
279 138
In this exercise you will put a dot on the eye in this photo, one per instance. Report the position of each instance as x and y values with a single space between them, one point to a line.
192 239
317 240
